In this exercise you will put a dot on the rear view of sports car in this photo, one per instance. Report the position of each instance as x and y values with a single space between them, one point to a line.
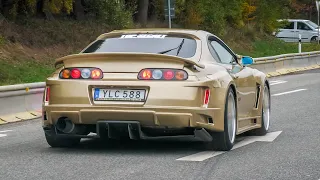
144 83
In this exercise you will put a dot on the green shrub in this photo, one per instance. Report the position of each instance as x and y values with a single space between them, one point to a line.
2 40
112 12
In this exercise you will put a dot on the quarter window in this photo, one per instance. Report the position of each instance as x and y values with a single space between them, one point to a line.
224 55
214 53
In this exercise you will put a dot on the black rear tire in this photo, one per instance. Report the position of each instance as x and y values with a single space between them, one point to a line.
221 140
62 142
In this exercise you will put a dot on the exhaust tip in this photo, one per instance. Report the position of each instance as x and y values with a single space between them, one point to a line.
65 125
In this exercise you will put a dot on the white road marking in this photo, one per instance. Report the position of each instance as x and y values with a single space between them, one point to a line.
274 81
4 135
92 134
288 92
277 82
201 156
5 131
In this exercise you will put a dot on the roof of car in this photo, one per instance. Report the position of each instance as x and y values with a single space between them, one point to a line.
294 19
155 30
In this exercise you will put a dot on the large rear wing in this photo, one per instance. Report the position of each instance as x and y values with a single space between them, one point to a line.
126 56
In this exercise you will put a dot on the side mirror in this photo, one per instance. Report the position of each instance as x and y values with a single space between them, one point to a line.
246 60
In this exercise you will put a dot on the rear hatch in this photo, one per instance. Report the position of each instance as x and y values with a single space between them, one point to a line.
121 60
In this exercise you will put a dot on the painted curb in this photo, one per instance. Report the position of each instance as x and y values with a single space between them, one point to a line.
291 70
21 116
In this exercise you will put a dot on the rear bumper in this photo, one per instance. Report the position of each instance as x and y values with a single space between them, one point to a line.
131 130
172 117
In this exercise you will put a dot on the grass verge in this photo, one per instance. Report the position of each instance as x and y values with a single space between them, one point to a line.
272 47
23 72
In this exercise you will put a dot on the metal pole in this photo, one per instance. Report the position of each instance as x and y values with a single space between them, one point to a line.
318 22
169 12
299 43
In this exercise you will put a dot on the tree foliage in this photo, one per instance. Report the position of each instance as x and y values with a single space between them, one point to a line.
303 9
212 15
247 12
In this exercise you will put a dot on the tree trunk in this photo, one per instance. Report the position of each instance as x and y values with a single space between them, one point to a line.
143 12
46 10
1 8
6 6
78 10
152 11
39 10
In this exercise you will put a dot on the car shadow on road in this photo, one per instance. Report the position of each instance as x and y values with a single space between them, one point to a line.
136 146
160 146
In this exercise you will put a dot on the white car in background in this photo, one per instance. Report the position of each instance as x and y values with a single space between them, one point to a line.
290 33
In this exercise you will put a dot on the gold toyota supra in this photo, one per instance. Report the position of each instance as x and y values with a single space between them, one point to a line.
144 83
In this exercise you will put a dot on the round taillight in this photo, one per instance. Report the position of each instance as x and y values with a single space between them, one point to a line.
96 74
85 73
157 74
181 75
65 74
75 73
146 74
169 74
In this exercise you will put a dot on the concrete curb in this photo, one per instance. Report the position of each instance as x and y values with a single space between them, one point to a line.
291 70
21 116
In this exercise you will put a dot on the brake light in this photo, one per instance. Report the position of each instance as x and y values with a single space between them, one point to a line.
206 97
169 74
75 73
81 73
163 74
47 94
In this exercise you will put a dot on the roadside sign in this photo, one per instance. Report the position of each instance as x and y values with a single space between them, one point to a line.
317 4
169 10
172 8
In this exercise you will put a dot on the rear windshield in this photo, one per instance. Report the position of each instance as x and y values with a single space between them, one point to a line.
146 43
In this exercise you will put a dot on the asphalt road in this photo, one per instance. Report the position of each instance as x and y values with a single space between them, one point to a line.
294 154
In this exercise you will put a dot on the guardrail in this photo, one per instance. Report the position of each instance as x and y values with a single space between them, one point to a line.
288 56
21 89
286 61
264 64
